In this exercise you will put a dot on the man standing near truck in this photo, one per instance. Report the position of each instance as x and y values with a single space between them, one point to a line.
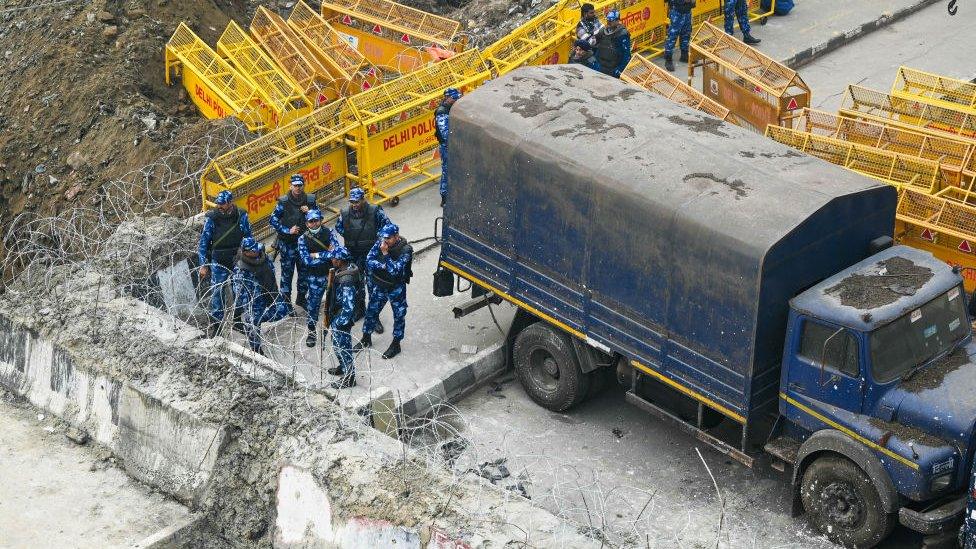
679 15
588 24
287 220
389 264
223 229
613 45
359 224
442 129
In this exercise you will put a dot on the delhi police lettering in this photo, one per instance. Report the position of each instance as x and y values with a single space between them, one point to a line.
419 129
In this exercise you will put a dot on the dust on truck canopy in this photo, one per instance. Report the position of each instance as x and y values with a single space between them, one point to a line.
659 231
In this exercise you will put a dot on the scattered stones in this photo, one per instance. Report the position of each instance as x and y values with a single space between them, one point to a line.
76 435
110 31
76 160
105 17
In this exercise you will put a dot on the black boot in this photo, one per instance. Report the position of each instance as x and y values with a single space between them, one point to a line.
669 63
310 338
379 329
750 39
684 57
443 200
344 383
365 342
336 371
393 350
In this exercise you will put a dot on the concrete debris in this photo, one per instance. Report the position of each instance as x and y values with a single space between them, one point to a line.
76 435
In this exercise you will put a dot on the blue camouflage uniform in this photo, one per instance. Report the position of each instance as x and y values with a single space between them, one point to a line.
390 274
221 237
287 214
737 9
343 308
679 15
442 130
257 292
359 230
317 269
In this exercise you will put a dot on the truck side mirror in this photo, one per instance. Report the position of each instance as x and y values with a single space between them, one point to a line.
823 355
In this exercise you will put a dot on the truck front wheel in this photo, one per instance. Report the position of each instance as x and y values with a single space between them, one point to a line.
842 503
547 368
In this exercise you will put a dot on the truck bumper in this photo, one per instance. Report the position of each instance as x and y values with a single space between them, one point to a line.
944 518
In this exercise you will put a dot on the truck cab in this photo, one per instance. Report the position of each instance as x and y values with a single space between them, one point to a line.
877 372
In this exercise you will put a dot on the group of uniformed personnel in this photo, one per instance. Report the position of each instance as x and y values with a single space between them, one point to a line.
375 260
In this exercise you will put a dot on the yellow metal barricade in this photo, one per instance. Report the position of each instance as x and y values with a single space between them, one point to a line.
344 62
258 172
542 40
866 103
214 86
954 155
938 90
291 54
889 167
654 79
394 142
391 35
281 99
757 89
945 227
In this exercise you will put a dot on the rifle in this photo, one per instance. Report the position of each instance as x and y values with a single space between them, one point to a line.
328 301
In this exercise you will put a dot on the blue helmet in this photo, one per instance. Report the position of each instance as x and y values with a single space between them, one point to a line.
249 244
342 253
356 194
613 15
313 215
453 93
297 179
224 197
389 230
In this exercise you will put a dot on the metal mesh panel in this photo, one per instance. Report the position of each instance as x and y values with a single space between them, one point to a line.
938 214
277 38
324 40
529 40
417 23
883 106
654 79
939 90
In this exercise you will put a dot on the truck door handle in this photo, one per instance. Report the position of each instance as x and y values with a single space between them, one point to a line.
795 387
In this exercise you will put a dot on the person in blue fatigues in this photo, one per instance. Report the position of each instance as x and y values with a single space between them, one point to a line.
679 26
314 251
583 55
613 45
360 224
257 291
442 129
224 228
389 263
342 306
288 221
739 9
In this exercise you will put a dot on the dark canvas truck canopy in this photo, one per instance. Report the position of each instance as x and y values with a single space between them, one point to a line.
648 227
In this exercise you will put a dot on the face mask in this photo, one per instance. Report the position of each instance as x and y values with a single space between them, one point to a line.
316 231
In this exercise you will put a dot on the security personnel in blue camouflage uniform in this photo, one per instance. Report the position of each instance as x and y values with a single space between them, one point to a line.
288 221
314 251
359 224
342 306
224 228
257 291
739 9
679 15
389 263
442 129
613 45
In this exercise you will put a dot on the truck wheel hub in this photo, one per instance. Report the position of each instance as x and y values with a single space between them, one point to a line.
841 505
550 367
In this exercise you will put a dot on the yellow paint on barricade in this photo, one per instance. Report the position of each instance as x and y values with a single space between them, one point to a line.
543 40
395 142
259 171
940 225
214 86
865 103
291 54
281 99
344 62
393 36
900 170
647 75
757 89
937 90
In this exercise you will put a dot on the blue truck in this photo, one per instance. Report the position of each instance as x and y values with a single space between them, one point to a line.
748 293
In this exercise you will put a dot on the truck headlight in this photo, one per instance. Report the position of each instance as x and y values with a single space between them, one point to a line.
941 482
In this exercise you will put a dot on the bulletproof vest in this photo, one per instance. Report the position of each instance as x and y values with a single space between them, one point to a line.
606 48
226 237
441 109
318 243
293 216
262 270
383 278
360 231
346 277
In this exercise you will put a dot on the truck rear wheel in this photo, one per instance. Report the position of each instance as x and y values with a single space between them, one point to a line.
842 503
547 368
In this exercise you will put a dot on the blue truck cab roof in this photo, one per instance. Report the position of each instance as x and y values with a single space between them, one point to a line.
878 290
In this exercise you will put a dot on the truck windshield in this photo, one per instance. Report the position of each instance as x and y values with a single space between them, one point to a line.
919 336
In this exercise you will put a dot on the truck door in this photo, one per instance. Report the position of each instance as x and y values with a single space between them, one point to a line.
840 382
